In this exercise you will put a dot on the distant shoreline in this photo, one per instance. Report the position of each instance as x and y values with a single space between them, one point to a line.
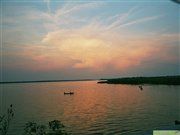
40 81
165 80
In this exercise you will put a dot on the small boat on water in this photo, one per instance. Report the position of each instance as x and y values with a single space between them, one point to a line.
68 93
140 87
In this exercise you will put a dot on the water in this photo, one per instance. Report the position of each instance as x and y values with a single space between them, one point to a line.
94 108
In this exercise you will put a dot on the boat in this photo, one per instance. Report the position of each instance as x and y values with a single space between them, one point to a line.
141 88
68 93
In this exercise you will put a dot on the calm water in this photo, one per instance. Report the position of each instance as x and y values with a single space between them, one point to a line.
94 108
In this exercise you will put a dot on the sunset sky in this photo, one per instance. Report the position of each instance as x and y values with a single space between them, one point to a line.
53 39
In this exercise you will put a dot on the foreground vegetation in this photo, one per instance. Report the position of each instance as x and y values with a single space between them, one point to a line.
166 80
54 127
5 120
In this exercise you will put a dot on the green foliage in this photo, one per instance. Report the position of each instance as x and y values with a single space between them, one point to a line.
31 128
55 125
5 120
55 128
41 129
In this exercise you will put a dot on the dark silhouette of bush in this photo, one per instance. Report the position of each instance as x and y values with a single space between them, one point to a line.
5 120
166 80
55 128
32 128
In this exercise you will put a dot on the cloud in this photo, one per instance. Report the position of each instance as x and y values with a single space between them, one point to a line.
65 16
48 5
141 20
95 44
120 18
70 8
91 49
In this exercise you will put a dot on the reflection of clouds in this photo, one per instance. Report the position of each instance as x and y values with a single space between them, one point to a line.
85 107
93 104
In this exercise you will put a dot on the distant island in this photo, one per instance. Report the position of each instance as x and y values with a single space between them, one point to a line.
165 80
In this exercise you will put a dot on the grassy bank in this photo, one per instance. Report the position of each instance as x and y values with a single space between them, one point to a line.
166 80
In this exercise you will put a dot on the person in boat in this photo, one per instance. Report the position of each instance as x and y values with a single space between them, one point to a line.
68 92
141 88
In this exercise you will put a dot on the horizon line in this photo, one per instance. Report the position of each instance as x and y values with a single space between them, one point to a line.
69 80
39 81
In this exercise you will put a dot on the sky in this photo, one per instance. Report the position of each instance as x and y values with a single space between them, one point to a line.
50 39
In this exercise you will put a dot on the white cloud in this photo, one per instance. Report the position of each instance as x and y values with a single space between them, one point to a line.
120 18
48 5
94 44
141 20
95 50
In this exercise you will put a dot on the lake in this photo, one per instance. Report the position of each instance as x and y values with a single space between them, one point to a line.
94 108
